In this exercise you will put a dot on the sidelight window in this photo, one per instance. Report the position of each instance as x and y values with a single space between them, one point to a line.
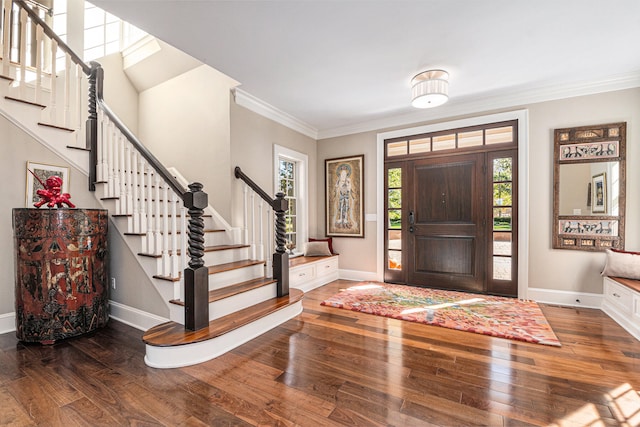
502 185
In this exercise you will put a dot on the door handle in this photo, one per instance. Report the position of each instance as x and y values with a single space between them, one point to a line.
412 220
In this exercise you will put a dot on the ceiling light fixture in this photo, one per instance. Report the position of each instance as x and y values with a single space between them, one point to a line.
430 89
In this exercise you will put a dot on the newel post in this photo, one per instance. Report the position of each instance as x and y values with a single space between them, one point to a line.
96 79
281 257
196 275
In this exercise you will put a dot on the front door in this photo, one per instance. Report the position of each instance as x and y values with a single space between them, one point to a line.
447 222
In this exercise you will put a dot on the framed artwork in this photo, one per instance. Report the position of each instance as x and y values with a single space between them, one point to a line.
42 172
599 193
344 201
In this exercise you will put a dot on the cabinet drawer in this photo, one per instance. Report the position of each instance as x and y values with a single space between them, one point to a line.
327 267
301 274
619 296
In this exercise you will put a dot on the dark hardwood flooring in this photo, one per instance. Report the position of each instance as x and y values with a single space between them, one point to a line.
334 367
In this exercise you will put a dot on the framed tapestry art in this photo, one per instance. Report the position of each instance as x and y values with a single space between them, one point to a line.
42 172
344 202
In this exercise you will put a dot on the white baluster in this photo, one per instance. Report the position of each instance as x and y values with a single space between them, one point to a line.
123 179
100 151
128 152
184 254
23 53
116 169
157 227
260 255
53 113
270 242
6 36
143 203
79 107
39 43
109 145
166 262
67 93
136 192
175 261
245 217
150 243
253 225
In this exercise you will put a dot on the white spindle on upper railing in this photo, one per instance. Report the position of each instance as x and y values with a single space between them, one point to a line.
157 230
6 46
122 191
80 138
53 102
245 215
136 192
22 57
67 91
143 203
149 243
175 264
39 43
252 210
109 142
270 240
260 254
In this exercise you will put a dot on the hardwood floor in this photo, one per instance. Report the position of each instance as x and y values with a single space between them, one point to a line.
334 367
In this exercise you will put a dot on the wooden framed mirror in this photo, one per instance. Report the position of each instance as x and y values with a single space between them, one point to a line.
589 183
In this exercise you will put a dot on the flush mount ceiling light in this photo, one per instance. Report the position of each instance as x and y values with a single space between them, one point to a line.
430 89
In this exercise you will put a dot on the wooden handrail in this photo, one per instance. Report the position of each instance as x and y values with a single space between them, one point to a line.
49 32
255 187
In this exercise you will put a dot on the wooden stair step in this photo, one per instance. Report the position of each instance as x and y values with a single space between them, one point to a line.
220 268
50 125
24 101
171 334
3 77
229 291
206 248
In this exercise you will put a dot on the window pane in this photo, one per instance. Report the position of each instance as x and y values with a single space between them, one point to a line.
502 219
502 170
470 139
397 148
395 260
444 142
502 194
395 219
395 178
113 32
93 37
422 145
499 135
291 192
395 199
501 268
395 239
292 207
502 243
93 16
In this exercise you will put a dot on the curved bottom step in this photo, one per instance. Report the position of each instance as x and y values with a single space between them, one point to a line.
199 346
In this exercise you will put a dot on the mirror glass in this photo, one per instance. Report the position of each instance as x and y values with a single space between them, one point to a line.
583 183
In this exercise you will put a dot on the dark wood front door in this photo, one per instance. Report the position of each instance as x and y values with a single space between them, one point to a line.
447 223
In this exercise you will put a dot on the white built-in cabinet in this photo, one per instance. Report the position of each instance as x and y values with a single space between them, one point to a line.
622 303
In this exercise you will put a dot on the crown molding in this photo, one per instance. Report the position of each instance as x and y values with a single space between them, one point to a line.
503 99
260 107
457 107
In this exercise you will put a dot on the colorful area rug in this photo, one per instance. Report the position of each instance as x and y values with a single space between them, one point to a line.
482 314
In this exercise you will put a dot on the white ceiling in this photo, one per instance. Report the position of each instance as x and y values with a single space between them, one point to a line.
345 66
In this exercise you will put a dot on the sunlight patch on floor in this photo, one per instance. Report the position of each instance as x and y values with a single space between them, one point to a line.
443 305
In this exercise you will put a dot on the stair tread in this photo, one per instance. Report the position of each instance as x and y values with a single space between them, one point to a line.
220 268
2 76
53 126
206 248
171 334
229 291
24 101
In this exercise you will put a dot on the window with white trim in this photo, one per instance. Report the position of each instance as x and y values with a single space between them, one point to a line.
291 179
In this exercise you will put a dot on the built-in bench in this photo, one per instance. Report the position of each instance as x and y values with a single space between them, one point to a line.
622 303
307 273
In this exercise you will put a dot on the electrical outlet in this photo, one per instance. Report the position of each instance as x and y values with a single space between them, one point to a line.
113 283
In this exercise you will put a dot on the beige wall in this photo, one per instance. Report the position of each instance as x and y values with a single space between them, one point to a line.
185 124
252 141
549 269
119 94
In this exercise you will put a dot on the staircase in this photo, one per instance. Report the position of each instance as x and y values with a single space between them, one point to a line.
216 280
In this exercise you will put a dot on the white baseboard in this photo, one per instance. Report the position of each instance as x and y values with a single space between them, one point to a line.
133 317
358 275
568 298
7 322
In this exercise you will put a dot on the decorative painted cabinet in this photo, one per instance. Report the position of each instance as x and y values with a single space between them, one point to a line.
61 264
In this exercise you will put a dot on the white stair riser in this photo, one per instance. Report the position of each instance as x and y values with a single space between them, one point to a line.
225 256
229 305
238 275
